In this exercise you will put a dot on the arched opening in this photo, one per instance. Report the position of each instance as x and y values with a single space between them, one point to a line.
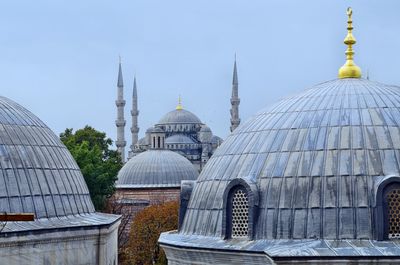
391 209
240 214
387 214
240 202
237 213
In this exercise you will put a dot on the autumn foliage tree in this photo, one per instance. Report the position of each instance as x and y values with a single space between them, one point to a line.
146 229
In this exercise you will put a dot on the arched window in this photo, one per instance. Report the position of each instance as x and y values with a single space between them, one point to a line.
387 215
240 214
240 209
393 212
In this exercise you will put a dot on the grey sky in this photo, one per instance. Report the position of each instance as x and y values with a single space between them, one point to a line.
60 58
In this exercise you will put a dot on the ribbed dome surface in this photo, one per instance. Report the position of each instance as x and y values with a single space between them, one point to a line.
179 116
156 168
38 174
315 158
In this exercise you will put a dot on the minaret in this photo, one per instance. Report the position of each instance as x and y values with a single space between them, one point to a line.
120 122
134 114
235 100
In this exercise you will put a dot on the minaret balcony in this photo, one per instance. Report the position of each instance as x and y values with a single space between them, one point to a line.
120 103
134 129
134 112
235 101
120 123
120 143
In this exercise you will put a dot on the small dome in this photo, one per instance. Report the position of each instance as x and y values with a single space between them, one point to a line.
216 140
315 159
149 130
205 128
179 116
37 173
156 130
179 139
156 168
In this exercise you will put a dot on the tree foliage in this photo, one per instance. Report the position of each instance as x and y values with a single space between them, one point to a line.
98 163
146 228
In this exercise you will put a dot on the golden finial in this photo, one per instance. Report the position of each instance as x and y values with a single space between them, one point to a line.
349 69
179 107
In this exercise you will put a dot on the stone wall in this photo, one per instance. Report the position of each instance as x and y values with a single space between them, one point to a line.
90 245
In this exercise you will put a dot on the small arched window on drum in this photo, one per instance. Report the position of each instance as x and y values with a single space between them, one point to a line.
393 213
240 214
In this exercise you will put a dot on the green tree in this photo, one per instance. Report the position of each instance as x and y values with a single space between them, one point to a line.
98 163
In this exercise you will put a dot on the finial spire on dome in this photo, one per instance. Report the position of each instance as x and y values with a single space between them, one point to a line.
349 69
179 107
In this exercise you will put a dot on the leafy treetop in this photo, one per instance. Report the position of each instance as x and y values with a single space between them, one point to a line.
98 163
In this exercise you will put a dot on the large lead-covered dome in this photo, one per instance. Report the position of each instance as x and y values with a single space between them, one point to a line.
156 169
38 174
179 116
315 159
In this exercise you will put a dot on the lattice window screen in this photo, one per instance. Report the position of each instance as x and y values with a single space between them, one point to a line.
393 200
240 214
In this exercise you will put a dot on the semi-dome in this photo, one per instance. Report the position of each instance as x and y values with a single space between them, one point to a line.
38 174
156 168
179 116
179 139
314 162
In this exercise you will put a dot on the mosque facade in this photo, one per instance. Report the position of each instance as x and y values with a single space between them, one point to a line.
39 176
183 132
314 178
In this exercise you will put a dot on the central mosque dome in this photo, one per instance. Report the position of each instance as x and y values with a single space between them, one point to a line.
179 115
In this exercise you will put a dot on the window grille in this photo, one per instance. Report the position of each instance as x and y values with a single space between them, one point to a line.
393 202
240 214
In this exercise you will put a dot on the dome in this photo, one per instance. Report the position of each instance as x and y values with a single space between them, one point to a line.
179 116
216 140
155 169
205 128
38 174
179 139
156 130
316 160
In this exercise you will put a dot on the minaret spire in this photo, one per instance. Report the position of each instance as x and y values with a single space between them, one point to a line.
120 122
349 69
134 114
235 100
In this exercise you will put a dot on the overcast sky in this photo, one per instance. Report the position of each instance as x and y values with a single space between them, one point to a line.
59 59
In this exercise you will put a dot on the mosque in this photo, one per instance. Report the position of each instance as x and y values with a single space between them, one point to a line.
173 151
179 130
39 176
314 178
